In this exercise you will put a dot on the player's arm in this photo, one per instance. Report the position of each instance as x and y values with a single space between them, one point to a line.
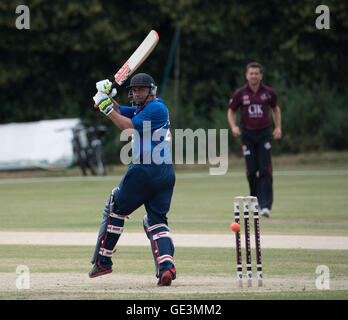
231 117
123 110
116 105
106 105
276 115
233 106
120 121
277 132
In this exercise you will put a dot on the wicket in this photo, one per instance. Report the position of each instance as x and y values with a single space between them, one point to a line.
255 210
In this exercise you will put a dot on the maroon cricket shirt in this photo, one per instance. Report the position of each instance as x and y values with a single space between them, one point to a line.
255 106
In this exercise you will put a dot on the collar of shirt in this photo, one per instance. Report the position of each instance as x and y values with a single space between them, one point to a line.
154 100
247 88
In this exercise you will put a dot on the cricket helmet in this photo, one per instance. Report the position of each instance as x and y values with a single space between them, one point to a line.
142 80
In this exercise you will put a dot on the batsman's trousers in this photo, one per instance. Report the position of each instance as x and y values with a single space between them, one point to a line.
150 185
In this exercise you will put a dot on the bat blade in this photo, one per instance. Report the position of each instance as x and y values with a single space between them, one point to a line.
137 58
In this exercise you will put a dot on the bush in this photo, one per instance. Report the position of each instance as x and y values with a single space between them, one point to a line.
313 119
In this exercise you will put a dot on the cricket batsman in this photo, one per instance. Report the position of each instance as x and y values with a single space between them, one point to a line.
149 180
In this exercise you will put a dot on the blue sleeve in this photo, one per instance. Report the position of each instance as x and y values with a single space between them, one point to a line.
157 113
127 111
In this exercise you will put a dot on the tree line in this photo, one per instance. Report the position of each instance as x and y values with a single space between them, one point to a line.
49 71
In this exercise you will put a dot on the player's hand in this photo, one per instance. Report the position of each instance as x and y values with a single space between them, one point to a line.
105 86
277 133
235 131
103 102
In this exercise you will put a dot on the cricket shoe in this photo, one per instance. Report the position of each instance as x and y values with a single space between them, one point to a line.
266 213
98 271
166 277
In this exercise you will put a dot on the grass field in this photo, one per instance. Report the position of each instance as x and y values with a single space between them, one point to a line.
62 273
304 203
309 200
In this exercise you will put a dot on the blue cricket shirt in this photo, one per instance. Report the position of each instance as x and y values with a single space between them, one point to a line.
151 143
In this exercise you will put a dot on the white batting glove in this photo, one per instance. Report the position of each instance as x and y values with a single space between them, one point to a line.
105 87
103 102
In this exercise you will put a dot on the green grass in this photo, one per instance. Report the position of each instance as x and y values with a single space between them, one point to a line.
304 204
194 261
309 204
278 263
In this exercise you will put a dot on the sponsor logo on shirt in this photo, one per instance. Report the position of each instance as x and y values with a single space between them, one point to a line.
246 99
264 97
255 111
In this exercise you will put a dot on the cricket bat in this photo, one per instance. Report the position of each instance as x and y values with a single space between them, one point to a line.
136 59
